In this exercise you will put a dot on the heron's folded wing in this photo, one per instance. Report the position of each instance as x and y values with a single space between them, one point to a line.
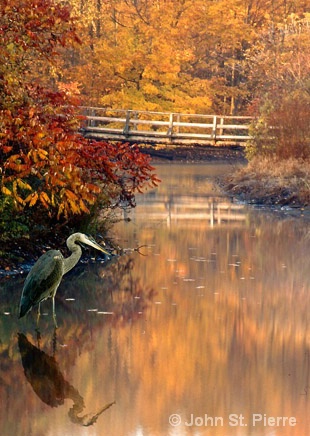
44 276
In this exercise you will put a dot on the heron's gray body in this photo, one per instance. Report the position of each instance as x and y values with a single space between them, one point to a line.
43 281
45 276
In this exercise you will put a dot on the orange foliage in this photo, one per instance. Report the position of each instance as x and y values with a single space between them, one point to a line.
44 161
185 56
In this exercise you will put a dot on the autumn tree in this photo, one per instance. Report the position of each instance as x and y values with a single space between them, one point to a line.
281 99
188 55
141 59
48 170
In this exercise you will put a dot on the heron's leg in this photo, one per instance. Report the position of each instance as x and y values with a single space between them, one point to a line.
38 337
39 313
54 313
55 341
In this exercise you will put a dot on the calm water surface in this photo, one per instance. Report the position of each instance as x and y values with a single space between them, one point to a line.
209 329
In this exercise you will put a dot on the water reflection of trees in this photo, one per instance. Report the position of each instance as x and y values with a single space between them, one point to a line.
107 289
242 337
238 344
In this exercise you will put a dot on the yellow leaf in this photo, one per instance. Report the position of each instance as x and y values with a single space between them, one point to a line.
6 191
19 199
42 153
83 207
23 185
53 199
74 207
61 210
32 199
44 198
70 195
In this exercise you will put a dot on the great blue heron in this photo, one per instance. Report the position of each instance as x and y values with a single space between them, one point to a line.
46 274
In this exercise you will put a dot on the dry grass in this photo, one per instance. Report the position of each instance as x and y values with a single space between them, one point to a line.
272 181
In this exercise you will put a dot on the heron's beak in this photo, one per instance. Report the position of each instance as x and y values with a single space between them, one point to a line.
93 243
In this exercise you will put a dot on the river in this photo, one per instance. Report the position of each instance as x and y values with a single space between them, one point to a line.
205 332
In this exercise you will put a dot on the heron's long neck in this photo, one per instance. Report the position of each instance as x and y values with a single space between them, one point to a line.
72 260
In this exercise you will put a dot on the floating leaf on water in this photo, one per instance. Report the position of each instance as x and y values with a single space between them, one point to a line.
105 313
200 259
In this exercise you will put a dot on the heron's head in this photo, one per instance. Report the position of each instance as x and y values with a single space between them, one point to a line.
86 240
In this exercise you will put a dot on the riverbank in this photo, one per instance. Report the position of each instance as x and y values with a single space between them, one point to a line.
271 183
267 181
195 153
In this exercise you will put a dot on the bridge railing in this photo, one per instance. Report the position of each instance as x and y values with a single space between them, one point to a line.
164 127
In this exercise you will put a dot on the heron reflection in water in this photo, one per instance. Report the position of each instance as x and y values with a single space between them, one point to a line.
43 374
45 276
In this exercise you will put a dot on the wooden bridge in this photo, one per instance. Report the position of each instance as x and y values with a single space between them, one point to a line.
164 127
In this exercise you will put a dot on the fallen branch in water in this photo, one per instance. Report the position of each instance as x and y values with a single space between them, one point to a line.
123 251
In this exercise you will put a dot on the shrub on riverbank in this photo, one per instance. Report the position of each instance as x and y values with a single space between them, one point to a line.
270 180
278 171
282 127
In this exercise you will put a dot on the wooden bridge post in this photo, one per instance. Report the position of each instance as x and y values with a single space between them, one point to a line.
135 117
170 127
178 120
127 127
90 122
221 124
214 127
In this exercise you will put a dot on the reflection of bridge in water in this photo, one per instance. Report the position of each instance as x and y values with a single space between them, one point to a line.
174 208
